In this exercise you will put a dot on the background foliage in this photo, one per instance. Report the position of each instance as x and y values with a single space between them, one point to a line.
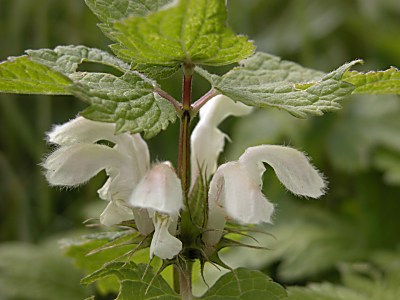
347 243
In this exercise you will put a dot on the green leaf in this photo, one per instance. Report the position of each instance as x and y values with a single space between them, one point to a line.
361 281
374 282
133 284
307 242
38 272
375 82
191 32
264 80
324 291
109 11
129 101
79 250
66 59
245 284
365 126
23 76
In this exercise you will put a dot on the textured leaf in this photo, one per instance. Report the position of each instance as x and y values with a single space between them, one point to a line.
66 59
128 101
264 80
133 284
378 82
192 31
109 11
245 284
152 70
24 76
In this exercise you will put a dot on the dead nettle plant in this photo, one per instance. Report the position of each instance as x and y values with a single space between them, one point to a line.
182 213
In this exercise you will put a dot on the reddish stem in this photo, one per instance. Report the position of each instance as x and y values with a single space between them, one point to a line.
184 132
203 100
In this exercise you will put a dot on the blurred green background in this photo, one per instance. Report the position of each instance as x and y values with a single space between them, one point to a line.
349 239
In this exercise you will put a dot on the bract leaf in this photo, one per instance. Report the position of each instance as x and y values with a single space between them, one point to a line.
23 76
128 101
133 282
192 32
264 80
375 82
245 284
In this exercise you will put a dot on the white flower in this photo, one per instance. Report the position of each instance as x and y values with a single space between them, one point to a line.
236 188
160 193
151 196
207 141
164 244
80 158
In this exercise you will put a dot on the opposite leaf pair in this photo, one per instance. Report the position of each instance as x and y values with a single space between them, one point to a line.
153 195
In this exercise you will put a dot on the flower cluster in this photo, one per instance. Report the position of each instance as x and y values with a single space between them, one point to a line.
152 194
235 191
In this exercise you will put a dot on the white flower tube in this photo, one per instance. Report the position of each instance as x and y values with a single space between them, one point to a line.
114 213
236 188
160 193
207 141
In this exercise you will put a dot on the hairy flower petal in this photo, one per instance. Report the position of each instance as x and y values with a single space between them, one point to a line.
76 164
159 190
291 167
236 187
81 130
207 141
233 189
138 151
164 244
215 224
143 221
115 213
86 148
220 107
